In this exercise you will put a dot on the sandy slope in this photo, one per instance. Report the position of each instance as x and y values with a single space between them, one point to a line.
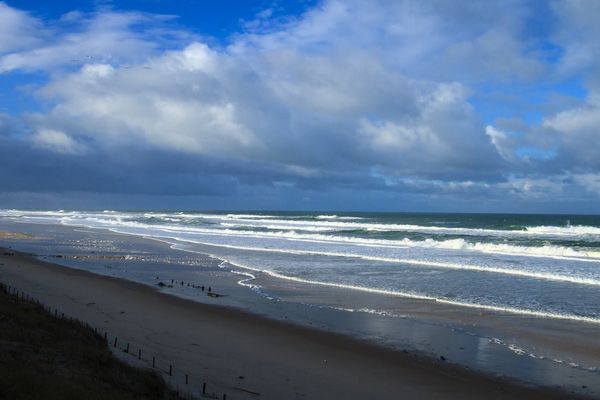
245 355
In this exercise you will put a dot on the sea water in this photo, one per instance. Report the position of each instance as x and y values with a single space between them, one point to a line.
543 265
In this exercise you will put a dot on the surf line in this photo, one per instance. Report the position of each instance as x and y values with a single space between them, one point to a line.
511 310
435 264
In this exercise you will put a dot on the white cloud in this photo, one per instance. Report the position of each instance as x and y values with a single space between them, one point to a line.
589 181
505 145
318 93
18 30
344 89
30 44
443 135
57 141
578 34
576 134
295 110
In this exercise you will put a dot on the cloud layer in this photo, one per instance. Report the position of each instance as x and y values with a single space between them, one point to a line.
350 95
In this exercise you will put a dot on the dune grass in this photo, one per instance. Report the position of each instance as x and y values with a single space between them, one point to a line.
43 357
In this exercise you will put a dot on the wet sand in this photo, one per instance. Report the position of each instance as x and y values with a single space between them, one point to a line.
561 339
247 355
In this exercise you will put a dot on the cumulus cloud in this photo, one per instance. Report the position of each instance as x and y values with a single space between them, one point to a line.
349 94
30 44
289 95
569 137
578 34
18 30
57 141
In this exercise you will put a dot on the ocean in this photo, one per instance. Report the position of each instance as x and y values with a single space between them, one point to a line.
534 265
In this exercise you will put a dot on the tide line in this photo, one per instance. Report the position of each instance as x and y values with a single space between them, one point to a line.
425 263
510 310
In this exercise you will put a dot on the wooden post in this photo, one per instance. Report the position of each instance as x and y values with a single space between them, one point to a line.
115 345
224 396
186 379
106 336
127 349
170 370
139 354
153 361
204 388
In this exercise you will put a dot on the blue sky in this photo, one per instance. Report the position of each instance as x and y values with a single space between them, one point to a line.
309 105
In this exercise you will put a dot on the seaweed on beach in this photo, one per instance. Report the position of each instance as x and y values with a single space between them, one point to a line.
43 357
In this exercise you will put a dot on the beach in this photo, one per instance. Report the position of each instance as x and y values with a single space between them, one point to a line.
300 199
371 337
246 355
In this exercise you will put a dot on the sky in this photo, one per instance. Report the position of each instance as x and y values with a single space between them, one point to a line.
365 105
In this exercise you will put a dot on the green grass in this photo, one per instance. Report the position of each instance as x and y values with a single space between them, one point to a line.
43 357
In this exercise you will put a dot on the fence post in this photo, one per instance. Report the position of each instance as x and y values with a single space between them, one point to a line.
127 349
204 388
186 379
115 345
170 370
139 354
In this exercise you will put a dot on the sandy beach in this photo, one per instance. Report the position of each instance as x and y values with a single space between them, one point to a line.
246 355
287 199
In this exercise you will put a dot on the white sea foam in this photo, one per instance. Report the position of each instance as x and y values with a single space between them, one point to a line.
510 310
328 222
130 223
335 224
337 217
548 251
239 216
575 230
424 263
369 311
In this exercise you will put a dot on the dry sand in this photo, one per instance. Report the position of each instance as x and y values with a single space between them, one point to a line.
245 355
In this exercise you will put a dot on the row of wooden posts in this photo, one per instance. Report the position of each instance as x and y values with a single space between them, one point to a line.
21 295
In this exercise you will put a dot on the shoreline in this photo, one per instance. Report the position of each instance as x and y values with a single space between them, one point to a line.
178 244
298 349
534 351
181 245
